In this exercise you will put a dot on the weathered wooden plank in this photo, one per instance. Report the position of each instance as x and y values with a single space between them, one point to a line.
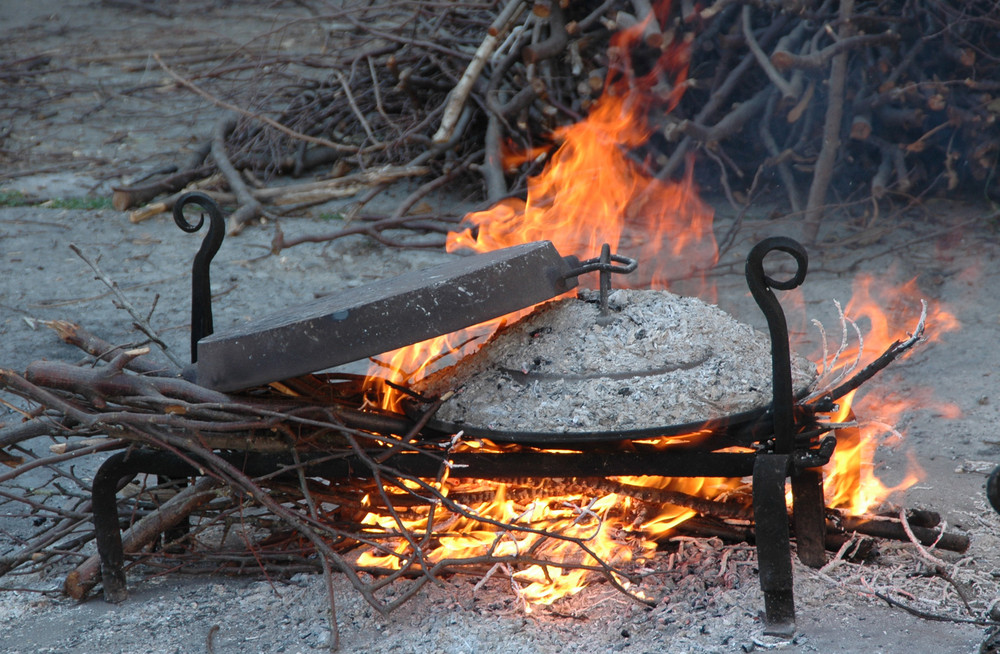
359 322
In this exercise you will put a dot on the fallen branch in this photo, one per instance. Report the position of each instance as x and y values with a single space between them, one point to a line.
250 208
141 322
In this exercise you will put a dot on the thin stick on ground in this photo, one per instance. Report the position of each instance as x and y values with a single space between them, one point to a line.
140 321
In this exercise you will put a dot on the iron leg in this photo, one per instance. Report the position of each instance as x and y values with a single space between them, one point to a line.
106 528
774 556
118 467
809 513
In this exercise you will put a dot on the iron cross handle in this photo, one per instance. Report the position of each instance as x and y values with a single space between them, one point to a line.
605 264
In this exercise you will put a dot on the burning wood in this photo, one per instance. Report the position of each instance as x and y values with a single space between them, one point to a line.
434 519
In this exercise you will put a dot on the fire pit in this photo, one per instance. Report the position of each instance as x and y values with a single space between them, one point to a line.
758 429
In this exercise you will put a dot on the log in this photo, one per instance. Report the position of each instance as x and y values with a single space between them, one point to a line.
127 197
884 527
299 194
837 529
249 207
831 130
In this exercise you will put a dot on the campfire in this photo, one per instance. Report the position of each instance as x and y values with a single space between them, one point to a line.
669 229
552 434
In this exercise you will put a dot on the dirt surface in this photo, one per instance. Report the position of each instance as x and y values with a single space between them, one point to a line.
87 118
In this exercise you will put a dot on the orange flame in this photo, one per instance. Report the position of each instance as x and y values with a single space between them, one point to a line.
595 190
850 479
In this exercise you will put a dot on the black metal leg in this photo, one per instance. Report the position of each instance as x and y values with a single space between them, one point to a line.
993 489
809 513
123 465
774 556
107 531
182 528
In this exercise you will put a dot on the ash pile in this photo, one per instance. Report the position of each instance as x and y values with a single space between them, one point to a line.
656 360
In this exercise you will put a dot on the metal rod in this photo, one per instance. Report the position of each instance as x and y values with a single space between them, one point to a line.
774 555
781 368
201 285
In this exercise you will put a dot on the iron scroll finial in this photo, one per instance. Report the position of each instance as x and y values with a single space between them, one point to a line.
201 286
760 284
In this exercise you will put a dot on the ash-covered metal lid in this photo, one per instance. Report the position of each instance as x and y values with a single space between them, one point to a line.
660 360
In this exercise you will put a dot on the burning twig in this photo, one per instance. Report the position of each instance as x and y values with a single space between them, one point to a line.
893 352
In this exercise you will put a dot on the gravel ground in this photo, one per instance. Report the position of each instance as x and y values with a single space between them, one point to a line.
93 135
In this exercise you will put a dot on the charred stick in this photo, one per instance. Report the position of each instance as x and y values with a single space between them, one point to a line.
882 527
867 525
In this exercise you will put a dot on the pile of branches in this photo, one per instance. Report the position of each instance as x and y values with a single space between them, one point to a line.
813 100
326 465
290 518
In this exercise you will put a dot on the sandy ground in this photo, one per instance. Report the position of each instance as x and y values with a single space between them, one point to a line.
93 135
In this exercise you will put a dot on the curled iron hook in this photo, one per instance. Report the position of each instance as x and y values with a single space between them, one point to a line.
201 285
760 285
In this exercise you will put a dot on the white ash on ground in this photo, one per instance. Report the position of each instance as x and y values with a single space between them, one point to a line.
707 600
656 360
